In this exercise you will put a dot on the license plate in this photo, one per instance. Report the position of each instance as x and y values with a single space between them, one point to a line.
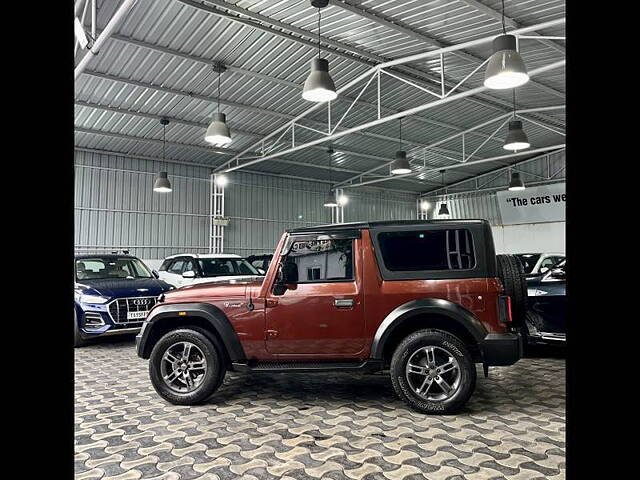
137 315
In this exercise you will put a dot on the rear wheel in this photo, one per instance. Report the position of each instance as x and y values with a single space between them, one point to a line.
185 367
433 372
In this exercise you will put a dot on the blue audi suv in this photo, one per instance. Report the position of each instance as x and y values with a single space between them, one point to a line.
113 294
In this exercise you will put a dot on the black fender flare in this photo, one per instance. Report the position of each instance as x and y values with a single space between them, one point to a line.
216 319
425 306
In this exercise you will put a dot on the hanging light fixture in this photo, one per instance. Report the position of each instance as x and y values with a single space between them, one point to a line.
505 68
444 209
400 165
162 183
516 182
218 132
319 86
330 199
516 138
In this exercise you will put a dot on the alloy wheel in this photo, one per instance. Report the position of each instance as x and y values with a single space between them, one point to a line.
433 373
183 367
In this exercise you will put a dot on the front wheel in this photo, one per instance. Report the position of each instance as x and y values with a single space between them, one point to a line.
78 338
433 372
185 367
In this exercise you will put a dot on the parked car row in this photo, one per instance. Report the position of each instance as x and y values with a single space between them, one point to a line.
114 292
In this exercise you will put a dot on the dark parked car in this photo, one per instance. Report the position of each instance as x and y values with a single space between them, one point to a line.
547 306
113 294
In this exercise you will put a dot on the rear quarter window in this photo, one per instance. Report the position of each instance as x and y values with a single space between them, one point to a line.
427 250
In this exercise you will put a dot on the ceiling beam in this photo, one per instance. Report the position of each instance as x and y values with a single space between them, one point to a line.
209 150
195 164
490 172
276 27
399 27
151 116
261 76
251 108
451 167
481 7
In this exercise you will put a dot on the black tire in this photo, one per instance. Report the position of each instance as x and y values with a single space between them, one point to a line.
446 342
213 377
512 276
78 338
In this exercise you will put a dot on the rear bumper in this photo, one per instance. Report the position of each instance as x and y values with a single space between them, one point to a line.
500 349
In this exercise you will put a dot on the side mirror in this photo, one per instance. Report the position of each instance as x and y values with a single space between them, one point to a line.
189 274
155 273
261 271
544 269
558 274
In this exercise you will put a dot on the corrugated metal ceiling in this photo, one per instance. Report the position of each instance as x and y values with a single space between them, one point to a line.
158 61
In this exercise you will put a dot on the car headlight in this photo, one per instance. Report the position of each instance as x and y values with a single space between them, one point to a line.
93 299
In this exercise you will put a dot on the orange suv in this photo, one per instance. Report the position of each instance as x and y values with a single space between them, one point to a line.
426 300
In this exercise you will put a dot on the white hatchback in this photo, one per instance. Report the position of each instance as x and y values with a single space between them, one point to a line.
188 268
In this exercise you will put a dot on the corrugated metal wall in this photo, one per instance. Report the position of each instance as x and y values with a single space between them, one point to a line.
115 207
484 204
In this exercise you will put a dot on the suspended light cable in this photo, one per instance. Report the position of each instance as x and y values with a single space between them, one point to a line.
444 209
516 138
330 200
319 86
162 184
218 132
400 165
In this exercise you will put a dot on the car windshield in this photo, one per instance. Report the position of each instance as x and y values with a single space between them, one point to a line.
217 267
528 260
101 268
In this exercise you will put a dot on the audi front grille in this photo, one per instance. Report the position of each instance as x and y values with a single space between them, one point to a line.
121 307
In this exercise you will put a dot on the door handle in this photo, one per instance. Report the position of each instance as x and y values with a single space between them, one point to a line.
343 302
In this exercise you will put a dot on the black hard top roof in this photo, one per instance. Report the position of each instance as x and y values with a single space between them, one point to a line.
385 223
106 256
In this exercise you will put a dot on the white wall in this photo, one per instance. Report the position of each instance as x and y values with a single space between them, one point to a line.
529 237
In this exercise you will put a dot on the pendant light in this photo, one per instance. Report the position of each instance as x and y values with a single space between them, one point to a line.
330 200
218 132
505 68
162 183
400 165
516 182
444 209
319 86
516 138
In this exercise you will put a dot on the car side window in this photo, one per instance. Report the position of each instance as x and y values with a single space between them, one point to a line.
321 261
165 265
188 265
408 251
548 262
176 266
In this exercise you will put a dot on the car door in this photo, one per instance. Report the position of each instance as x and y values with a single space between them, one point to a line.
173 275
550 301
322 314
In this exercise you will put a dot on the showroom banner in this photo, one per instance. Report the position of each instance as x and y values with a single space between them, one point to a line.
545 203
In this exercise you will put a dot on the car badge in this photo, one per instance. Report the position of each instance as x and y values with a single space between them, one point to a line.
142 289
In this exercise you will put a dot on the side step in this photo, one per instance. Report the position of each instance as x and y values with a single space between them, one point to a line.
303 367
